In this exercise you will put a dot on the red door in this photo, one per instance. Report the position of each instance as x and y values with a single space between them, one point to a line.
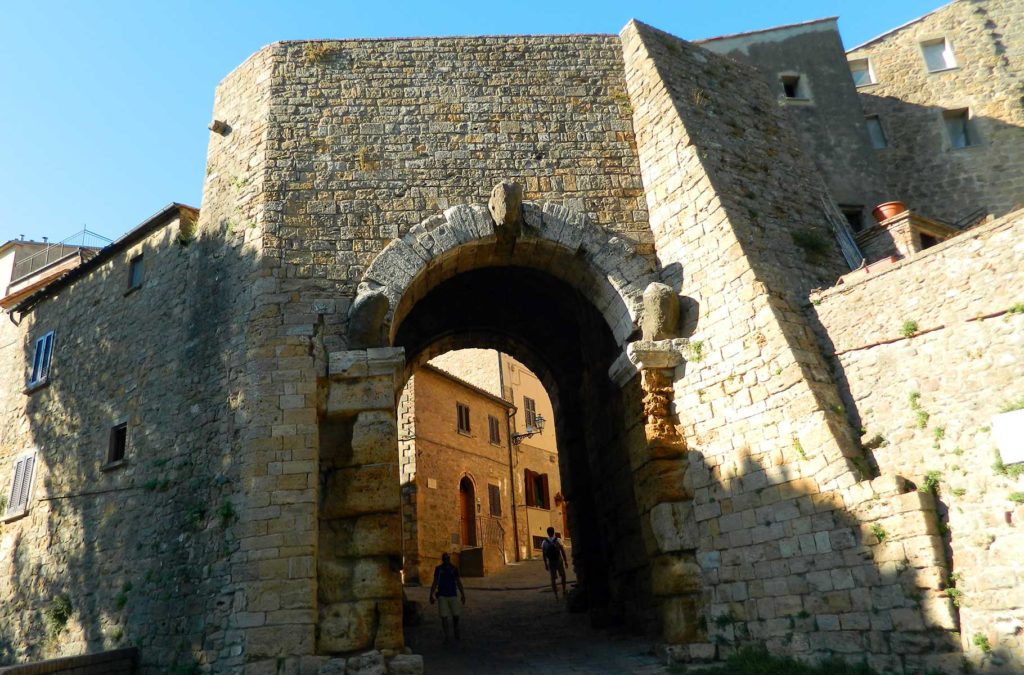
467 503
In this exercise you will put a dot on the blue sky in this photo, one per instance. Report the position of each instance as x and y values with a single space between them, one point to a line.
104 105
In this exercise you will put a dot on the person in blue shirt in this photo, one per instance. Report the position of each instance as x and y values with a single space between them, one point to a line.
446 582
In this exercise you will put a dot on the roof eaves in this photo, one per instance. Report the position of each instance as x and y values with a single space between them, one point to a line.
900 27
154 222
766 30
459 380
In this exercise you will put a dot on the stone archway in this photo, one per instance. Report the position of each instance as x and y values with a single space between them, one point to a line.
637 555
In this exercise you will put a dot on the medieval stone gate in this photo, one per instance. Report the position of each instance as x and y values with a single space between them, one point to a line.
568 296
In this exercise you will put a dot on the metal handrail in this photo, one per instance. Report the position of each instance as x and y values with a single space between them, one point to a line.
84 239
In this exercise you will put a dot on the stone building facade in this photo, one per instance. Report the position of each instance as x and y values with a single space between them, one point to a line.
216 452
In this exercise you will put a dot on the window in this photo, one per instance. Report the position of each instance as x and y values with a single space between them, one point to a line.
494 497
938 55
135 273
41 358
118 443
875 132
538 542
21 486
530 408
854 216
927 240
795 87
537 489
463 412
862 73
494 430
960 128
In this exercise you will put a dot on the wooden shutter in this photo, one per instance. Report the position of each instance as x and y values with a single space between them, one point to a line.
494 495
546 502
529 487
22 483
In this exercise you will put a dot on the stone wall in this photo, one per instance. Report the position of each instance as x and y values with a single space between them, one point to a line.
922 169
927 352
779 538
829 122
136 552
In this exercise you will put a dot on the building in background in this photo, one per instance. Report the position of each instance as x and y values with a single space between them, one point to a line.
480 473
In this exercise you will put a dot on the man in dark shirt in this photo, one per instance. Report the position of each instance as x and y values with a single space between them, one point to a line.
446 582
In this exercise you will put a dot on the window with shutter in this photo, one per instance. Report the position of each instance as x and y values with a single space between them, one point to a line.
494 497
41 357
462 411
494 428
21 486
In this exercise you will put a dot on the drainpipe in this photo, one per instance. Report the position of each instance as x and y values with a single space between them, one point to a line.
511 469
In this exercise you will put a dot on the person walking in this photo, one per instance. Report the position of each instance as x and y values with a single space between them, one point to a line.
555 560
446 582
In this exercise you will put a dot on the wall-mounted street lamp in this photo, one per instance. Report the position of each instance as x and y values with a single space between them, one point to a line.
537 428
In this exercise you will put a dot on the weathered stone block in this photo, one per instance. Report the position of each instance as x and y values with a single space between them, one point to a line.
347 626
360 490
674 527
675 574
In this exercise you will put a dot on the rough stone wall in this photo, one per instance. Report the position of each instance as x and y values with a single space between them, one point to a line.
830 124
444 456
141 552
925 404
782 555
922 169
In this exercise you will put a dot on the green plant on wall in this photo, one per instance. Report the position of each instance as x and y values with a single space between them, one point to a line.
1013 405
1017 497
931 482
813 244
921 416
696 348
982 643
879 532
908 328
799 447
1012 471
56 615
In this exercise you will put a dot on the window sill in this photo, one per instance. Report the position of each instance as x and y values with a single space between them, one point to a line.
464 433
14 516
131 290
36 386
975 146
116 464
866 85
943 70
786 100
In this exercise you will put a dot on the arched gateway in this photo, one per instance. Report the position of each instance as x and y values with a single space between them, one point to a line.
565 297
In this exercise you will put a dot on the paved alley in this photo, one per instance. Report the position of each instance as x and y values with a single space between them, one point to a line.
512 624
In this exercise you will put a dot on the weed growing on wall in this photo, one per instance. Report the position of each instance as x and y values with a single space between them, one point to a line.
981 642
908 329
932 479
56 615
879 532
1012 471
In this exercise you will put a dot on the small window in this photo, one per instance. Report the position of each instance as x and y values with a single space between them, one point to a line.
21 486
854 217
530 409
795 87
862 73
135 270
494 429
875 132
41 357
938 55
960 128
927 240
537 489
494 497
463 414
118 443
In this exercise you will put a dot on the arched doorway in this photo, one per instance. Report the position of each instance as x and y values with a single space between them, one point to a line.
467 512
564 298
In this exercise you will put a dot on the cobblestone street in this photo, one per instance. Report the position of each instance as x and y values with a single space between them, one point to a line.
512 624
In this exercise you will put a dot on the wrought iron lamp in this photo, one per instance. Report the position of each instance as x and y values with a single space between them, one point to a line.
537 428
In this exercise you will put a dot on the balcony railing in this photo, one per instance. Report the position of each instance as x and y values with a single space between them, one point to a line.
84 240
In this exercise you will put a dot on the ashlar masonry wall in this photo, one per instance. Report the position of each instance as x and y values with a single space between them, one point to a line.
927 352
780 513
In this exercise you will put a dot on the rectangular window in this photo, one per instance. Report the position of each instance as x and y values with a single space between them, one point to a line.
538 542
494 497
530 409
118 443
41 358
938 55
494 429
135 270
854 216
537 489
862 73
795 87
21 486
463 413
875 132
960 128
